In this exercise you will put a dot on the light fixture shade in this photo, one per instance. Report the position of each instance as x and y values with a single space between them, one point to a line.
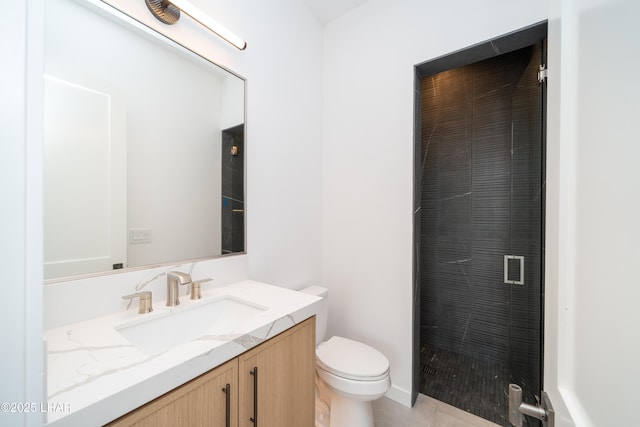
165 11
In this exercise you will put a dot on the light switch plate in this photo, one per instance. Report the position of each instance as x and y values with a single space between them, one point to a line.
139 236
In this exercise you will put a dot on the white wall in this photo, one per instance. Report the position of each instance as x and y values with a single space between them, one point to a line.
370 55
21 370
557 197
233 101
607 222
594 103
283 65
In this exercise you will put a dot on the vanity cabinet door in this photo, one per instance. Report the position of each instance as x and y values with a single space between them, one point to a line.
200 402
277 380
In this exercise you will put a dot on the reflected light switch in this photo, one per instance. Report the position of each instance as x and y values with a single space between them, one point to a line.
139 236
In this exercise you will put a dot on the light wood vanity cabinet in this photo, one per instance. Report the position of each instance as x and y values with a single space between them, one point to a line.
285 396
200 402
285 367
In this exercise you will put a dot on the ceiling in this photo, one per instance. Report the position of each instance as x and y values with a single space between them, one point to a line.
328 10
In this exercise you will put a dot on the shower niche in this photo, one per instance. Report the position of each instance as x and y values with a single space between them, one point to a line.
232 215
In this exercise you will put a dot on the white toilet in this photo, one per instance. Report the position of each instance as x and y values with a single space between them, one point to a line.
350 374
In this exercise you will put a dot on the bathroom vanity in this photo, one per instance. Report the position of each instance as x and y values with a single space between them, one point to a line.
272 383
136 369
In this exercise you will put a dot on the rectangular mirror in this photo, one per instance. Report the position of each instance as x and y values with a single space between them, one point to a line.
144 147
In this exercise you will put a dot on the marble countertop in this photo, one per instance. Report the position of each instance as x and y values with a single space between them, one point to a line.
94 375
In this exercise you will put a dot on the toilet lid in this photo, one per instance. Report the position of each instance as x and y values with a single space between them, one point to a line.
351 359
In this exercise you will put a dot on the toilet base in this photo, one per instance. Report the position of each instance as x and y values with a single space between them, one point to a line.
350 413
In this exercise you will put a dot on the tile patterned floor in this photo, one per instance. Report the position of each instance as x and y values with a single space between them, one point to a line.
475 386
478 387
427 412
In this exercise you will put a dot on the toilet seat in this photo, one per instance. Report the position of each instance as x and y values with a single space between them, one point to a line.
351 360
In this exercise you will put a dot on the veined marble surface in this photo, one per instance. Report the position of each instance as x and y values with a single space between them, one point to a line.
95 375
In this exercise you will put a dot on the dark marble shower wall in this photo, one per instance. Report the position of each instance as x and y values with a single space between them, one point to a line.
481 199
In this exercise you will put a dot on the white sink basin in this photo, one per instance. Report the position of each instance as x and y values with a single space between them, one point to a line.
160 332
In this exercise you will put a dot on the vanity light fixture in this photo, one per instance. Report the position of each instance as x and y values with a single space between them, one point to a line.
168 12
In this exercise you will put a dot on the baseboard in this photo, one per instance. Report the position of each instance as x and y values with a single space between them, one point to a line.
399 395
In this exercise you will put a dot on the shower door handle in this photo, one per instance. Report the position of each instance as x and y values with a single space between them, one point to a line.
518 409
507 269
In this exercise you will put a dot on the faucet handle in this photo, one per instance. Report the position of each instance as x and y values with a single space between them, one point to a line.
145 301
195 287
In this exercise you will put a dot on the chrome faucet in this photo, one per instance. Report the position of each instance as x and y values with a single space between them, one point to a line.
174 280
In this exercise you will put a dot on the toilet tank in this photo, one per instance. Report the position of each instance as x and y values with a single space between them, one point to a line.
322 316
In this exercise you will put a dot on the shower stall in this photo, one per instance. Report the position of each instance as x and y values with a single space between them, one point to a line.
479 224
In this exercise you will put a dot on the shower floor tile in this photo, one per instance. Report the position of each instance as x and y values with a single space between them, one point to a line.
475 386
